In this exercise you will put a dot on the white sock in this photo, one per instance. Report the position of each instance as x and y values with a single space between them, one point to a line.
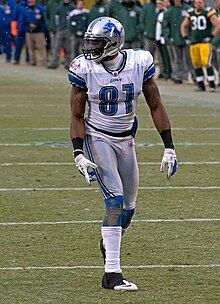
112 242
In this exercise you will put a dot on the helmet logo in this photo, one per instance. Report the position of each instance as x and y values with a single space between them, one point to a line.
109 27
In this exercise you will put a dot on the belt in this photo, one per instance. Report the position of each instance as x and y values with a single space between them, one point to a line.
122 134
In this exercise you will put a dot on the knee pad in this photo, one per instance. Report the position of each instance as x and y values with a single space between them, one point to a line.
113 211
126 218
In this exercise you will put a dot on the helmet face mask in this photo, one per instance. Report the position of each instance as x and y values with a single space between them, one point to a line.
94 48
104 37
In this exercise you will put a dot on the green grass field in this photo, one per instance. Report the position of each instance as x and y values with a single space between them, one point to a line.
50 220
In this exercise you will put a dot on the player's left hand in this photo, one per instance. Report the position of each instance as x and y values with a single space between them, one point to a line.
169 160
83 164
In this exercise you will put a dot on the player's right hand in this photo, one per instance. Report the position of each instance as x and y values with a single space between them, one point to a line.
83 164
169 160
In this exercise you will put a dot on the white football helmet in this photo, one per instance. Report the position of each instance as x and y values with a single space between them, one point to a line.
104 37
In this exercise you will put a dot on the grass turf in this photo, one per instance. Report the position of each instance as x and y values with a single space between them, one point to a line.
32 101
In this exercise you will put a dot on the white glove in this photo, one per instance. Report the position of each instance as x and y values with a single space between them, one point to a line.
169 160
83 164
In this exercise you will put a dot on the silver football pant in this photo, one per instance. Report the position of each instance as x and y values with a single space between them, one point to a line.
117 172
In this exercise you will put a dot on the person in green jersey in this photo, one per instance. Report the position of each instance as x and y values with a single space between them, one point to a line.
63 34
78 22
216 46
181 62
98 9
201 20
128 13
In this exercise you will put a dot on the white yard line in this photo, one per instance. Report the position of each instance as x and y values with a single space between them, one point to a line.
139 115
95 189
139 129
71 163
99 221
147 145
101 267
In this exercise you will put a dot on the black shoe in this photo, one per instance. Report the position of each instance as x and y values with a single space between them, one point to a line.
177 81
102 249
51 66
200 87
116 281
212 86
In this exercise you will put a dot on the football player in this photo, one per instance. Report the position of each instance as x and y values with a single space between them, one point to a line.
201 20
110 80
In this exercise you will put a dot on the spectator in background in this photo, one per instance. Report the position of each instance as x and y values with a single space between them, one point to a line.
63 35
98 9
35 26
18 31
148 20
128 13
210 3
216 56
6 14
181 63
148 24
50 19
204 26
78 22
216 46
161 7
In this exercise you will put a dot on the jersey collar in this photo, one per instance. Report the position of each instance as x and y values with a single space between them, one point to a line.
121 67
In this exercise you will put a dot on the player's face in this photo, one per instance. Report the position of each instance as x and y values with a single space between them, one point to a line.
199 5
31 2
160 6
93 49
177 2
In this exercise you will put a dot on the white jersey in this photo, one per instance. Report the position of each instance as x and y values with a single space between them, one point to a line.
112 95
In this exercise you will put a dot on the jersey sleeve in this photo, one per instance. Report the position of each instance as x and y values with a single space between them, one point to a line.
210 12
189 12
149 67
76 74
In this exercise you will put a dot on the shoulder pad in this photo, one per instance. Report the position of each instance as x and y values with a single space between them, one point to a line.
145 59
207 9
77 71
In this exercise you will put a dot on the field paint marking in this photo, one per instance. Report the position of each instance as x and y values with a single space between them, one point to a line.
71 163
101 267
140 115
147 145
99 221
95 189
139 129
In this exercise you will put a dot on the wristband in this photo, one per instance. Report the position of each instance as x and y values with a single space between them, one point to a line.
77 146
167 139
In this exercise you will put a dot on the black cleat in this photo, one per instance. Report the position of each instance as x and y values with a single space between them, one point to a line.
177 81
116 282
200 87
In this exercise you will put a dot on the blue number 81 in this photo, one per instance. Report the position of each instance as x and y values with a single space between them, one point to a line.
109 99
